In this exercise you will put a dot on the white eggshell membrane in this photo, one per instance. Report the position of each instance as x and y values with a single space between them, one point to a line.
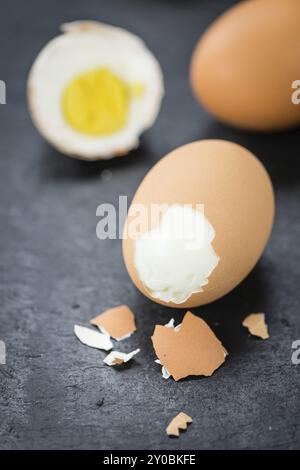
114 357
176 259
92 338
87 45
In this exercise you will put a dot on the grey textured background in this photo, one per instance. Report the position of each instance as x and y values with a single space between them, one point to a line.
54 272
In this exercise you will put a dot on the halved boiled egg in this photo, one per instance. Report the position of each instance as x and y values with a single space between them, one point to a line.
94 89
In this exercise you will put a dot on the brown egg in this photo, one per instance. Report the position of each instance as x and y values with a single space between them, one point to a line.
243 67
237 196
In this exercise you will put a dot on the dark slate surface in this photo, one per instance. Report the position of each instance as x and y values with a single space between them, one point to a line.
54 271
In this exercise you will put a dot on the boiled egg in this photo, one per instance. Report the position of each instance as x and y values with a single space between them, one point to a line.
198 223
94 89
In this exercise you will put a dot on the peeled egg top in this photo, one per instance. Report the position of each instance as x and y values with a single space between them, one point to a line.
174 265
198 223
94 89
243 67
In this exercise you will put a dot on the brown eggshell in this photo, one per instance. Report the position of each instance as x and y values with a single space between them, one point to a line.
243 67
238 201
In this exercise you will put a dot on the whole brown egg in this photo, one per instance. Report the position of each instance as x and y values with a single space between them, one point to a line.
243 67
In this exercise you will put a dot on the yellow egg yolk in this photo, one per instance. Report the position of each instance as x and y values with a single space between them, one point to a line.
96 102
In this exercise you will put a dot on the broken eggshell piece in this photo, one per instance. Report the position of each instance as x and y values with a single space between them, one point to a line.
193 349
116 358
164 372
92 338
178 423
256 324
117 322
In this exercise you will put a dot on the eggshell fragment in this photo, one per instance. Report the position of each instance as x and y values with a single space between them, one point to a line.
238 201
116 358
118 322
164 372
92 338
255 322
178 423
192 350
244 65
